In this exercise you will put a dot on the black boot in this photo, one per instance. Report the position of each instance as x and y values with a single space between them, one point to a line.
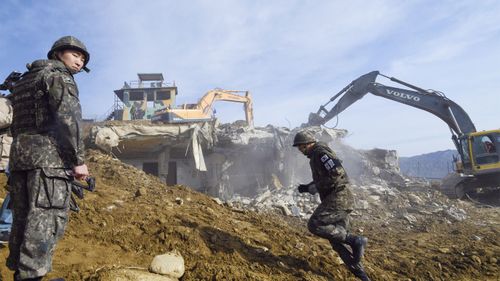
359 271
358 244
363 277
345 254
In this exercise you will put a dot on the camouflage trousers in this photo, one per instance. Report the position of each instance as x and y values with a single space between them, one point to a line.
40 200
330 220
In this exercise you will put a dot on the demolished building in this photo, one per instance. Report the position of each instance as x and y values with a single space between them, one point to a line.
177 150
222 160
227 159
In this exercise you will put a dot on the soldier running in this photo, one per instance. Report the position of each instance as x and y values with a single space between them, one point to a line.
330 220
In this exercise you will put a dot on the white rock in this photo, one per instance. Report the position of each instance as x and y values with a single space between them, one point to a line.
456 214
295 211
410 218
170 264
217 200
263 196
477 238
284 209
415 199
363 204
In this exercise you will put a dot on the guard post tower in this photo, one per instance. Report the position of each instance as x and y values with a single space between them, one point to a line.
140 99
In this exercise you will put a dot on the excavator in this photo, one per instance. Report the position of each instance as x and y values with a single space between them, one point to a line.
202 111
477 168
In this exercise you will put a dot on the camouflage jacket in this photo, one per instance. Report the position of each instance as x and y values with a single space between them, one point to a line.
327 171
46 126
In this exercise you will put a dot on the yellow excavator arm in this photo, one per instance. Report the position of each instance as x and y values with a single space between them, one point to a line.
203 109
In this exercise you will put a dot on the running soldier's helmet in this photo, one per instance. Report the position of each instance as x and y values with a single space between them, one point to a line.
70 42
303 137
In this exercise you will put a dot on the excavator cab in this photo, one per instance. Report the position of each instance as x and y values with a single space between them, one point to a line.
484 149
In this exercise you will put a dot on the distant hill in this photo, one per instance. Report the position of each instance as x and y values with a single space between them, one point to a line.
433 165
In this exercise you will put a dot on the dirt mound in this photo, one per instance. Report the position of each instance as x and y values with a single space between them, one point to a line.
133 216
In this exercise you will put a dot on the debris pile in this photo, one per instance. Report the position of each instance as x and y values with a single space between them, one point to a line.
373 201
374 174
217 159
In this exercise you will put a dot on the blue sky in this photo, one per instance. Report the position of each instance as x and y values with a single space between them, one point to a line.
292 55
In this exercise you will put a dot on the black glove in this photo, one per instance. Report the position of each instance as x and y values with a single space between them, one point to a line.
303 188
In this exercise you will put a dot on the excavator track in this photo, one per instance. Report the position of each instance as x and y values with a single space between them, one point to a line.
453 186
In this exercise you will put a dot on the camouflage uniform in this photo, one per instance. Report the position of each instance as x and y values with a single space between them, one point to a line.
47 143
330 220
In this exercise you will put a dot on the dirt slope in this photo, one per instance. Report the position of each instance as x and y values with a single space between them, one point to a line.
133 217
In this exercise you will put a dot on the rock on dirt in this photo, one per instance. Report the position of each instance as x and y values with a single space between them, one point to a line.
170 264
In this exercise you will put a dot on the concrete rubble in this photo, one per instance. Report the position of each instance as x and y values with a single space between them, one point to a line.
380 189
381 202
258 169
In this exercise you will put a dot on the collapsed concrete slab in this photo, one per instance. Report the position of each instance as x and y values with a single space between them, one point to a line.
233 160
173 152
221 160
246 161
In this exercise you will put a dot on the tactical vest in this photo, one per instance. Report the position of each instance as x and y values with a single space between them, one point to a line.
327 182
30 102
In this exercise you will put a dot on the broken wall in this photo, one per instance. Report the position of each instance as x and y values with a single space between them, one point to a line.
257 159
173 152
233 159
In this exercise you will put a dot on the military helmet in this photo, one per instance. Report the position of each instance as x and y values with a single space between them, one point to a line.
70 42
303 137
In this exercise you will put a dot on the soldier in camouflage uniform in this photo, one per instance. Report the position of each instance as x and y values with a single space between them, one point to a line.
330 220
46 155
